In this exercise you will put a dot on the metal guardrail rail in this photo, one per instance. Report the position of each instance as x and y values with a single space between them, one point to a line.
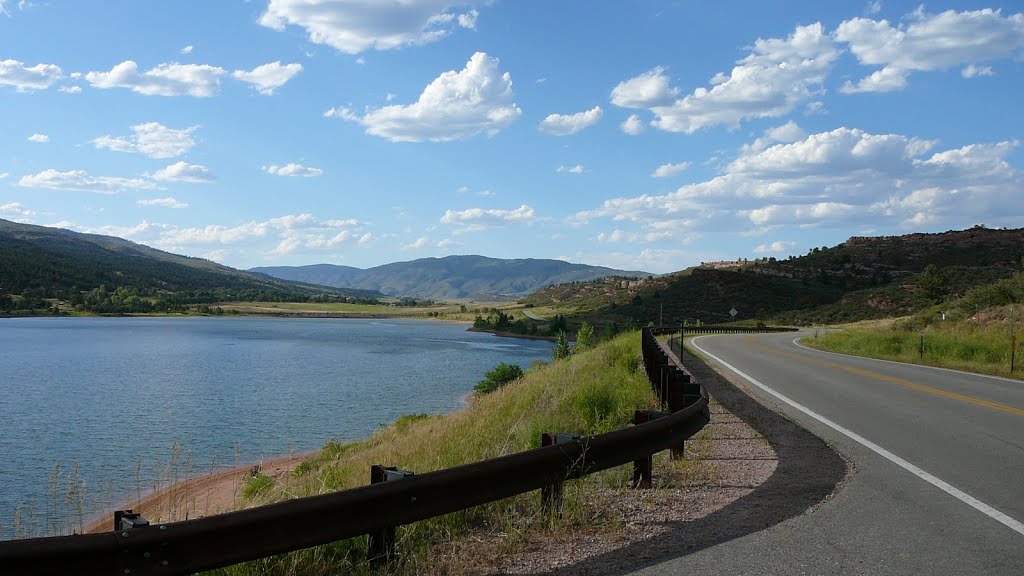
191 546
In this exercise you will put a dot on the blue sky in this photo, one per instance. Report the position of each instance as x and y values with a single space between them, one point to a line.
638 135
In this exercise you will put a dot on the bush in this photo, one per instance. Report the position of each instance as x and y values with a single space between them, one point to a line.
501 374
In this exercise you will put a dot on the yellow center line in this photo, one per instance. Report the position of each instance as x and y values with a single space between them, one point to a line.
749 341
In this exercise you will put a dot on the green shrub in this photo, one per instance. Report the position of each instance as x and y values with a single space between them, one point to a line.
501 374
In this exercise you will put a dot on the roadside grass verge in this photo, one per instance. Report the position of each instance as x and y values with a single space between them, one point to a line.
974 345
589 393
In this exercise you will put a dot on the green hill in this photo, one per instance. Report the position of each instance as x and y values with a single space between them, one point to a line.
862 278
450 278
39 263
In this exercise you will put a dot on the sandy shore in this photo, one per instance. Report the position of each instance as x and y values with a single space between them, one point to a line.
200 496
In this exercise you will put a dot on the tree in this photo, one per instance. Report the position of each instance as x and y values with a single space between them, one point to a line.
561 349
931 285
584 337
501 374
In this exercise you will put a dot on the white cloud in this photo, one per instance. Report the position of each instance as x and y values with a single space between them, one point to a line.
468 19
27 79
269 77
293 169
417 244
16 209
874 7
39 138
929 42
353 26
577 169
4 175
668 170
477 219
152 139
844 177
184 172
449 244
771 81
454 106
566 124
647 90
786 133
972 71
632 125
815 108
186 49
168 202
70 89
82 181
199 80
776 247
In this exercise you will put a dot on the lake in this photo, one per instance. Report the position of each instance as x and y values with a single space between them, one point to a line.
108 393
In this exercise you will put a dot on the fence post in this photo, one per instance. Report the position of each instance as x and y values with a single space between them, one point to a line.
676 402
551 494
643 469
380 545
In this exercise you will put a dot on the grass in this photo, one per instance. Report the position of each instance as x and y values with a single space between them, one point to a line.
979 344
592 392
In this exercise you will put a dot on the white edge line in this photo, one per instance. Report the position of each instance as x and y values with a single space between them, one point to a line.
1004 379
964 497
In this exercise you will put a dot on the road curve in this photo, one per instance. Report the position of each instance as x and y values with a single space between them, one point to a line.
939 459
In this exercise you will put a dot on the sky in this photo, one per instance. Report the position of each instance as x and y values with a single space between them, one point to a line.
639 135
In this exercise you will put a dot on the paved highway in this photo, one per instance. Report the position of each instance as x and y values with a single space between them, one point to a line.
939 459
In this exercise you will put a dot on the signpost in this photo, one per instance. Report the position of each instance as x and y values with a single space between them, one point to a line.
733 313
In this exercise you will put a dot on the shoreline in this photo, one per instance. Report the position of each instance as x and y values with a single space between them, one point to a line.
212 493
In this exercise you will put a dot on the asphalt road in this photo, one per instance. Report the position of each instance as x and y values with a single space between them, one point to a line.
939 459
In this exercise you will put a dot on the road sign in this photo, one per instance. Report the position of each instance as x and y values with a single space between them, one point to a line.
733 312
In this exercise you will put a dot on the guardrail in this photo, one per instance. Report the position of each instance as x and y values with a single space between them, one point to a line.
225 539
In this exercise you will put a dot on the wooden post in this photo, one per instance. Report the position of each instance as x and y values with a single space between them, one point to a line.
380 545
550 494
643 469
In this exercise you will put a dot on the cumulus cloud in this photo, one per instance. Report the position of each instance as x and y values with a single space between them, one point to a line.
632 125
184 172
566 124
456 105
668 170
82 181
293 169
16 209
786 133
39 138
417 244
776 247
577 169
70 89
152 139
842 177
168 202
477 219
648 90
186 49
929 42
26 79
269 77
198 80
769 82
353 26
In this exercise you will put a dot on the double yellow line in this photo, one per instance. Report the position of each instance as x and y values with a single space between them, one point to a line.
749 341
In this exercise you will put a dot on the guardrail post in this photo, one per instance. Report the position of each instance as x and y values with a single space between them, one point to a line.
551 494
677 401
128 520
380 545
643 469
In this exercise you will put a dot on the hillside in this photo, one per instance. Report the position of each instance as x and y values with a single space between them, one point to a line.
37 262
451 277
862 278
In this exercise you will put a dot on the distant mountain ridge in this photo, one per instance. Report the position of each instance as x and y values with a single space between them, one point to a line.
450 277
59 263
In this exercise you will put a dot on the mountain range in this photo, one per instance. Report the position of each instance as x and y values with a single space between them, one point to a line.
450 278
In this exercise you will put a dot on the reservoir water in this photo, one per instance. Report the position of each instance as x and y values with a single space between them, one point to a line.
111 393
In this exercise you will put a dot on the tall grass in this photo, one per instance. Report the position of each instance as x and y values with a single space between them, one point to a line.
981 343
588 393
